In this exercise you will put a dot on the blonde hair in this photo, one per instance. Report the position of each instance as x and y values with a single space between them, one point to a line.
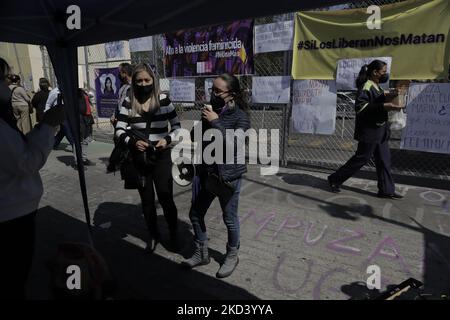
136 107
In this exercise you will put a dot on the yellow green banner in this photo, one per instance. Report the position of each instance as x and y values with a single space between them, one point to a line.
414 33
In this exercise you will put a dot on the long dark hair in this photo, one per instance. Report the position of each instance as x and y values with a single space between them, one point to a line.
110 81
367 70
235 88
44 84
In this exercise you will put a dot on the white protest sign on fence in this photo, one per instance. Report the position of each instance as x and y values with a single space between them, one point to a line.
115 50
271 37
182 90
271 89
141 44
208 85
428 118
348 70
314 106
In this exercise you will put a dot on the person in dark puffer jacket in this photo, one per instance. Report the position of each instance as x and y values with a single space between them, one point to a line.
229 111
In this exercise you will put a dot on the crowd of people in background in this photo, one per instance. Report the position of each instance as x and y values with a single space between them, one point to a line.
146 124
29 108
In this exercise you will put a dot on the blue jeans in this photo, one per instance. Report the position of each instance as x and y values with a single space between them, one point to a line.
201 201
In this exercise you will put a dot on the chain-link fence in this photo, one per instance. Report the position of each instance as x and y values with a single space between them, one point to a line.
331 151
325 151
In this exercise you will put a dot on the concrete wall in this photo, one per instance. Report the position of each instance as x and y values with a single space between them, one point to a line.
18 57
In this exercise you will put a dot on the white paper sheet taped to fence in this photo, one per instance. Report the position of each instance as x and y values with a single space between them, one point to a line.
208 85
274 37
271 89
115 50
348 70
141 44
314 106
182 90
428 118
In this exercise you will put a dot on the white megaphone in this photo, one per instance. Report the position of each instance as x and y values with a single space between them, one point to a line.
183 171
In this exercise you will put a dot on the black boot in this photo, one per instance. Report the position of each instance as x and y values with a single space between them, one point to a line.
335 188
154 239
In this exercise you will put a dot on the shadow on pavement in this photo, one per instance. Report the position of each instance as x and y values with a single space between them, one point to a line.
318 183
67 160
121 220
139 275
436 263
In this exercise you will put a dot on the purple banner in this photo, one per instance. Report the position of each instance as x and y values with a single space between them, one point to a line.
107 85
210 50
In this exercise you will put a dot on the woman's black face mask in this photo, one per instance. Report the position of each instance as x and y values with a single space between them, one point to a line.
217 101
384 78
143 92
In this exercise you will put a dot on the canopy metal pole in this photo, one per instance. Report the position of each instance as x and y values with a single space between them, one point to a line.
65 61
88 78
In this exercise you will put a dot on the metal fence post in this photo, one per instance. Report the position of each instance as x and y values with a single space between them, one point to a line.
285 134
262 119
88 79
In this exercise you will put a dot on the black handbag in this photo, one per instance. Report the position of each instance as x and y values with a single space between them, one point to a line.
118 156
121 158
134 164
131 175
222 189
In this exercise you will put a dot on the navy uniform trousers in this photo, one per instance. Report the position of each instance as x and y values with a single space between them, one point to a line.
365 151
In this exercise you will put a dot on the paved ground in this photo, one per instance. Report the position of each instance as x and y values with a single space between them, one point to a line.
299 241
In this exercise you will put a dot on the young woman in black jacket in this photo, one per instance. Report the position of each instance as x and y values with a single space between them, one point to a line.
228 112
